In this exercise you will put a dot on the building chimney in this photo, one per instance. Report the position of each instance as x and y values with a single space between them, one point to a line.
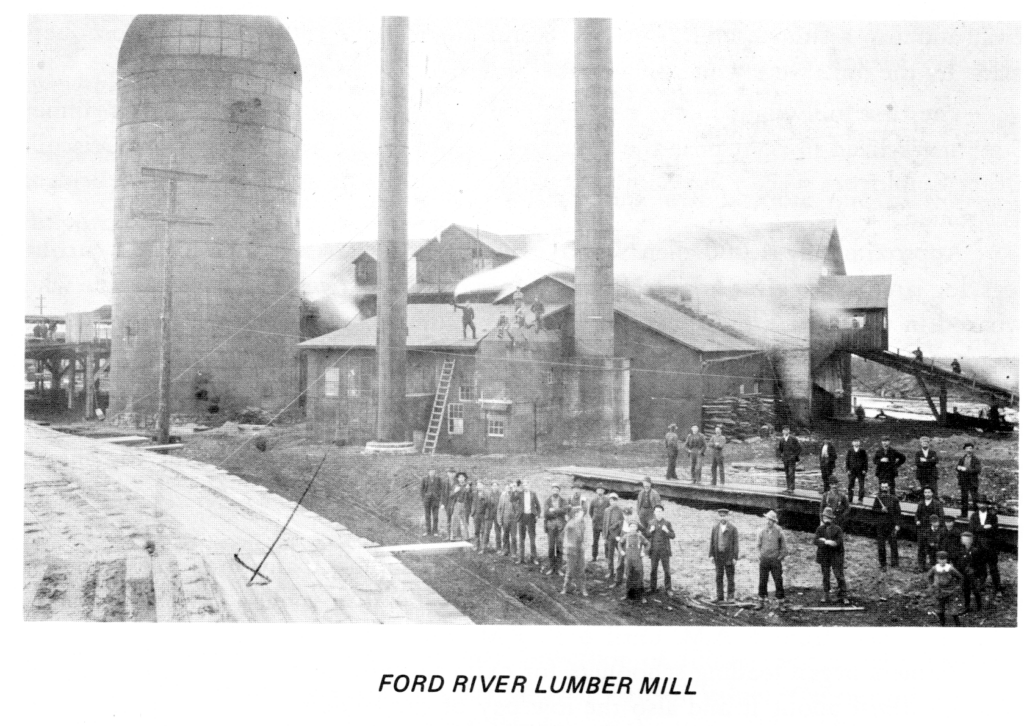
392 230
595 199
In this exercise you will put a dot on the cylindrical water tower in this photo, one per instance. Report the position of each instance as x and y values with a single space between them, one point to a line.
207 167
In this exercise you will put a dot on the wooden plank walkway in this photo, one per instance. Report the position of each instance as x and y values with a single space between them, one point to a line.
744 494
115 532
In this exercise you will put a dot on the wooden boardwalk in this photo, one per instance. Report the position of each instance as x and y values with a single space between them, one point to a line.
746 494
118 533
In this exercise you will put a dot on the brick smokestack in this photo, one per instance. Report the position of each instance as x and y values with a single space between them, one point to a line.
392 229
595 231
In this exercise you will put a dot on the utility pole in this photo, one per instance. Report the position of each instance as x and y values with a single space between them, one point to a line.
163 412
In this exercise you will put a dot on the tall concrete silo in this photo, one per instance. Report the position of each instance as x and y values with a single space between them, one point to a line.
207 166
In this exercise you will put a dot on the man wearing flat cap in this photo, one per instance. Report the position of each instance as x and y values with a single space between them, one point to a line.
724 551
968 469
888 518
969 560
771 551
949 537
831 556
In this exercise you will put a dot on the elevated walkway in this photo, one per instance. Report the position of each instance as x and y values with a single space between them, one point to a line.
941 376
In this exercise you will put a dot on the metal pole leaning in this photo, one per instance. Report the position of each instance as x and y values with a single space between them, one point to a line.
256 571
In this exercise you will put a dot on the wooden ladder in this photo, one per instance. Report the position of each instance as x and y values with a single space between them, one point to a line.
444 384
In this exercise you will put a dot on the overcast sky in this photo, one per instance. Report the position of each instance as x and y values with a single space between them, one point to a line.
907 134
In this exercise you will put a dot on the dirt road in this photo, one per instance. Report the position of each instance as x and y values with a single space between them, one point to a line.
115 533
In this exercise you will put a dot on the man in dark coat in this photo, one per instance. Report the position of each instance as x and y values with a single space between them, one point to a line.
556 510
528 524
467 319
724 551
672 451
856 469
827 461
789 450
660 534
888 519
831 556
949 537
446 497
696 444
887 464
646 501
482 512
926 509
984 523
933 539
968 469
927 462
632 545
836 500
614 521
596 509
431 491
970 561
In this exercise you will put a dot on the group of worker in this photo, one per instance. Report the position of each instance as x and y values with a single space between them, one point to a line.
519 318
696 445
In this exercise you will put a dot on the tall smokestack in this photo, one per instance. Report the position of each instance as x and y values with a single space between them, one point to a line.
392 229
603 381
595 292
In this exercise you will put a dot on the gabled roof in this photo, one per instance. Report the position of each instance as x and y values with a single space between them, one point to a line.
430 327
513 245
657 316
855 292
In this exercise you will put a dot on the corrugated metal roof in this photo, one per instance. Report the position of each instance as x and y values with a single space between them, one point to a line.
855 292
430 326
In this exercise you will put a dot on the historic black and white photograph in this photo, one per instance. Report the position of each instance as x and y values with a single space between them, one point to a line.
521 321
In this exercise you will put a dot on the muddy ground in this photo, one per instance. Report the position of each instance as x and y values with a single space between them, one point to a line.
377 497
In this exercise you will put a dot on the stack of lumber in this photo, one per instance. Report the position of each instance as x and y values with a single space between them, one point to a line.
739 416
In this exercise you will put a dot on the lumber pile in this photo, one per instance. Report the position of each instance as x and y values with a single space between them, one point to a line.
740 416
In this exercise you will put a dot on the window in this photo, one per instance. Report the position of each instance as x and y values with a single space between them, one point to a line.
551 376
456 419
467 392
331 380
742 389
496 425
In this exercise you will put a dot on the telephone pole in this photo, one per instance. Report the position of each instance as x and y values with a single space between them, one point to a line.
170 217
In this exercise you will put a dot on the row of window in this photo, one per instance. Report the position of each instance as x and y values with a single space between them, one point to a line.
496 422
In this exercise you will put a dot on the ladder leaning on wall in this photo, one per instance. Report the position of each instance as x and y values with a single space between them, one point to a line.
444 384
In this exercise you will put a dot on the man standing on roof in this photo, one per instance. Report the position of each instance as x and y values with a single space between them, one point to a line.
918 355
696 444
672 450
467 318
789 450
537 308
955 366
